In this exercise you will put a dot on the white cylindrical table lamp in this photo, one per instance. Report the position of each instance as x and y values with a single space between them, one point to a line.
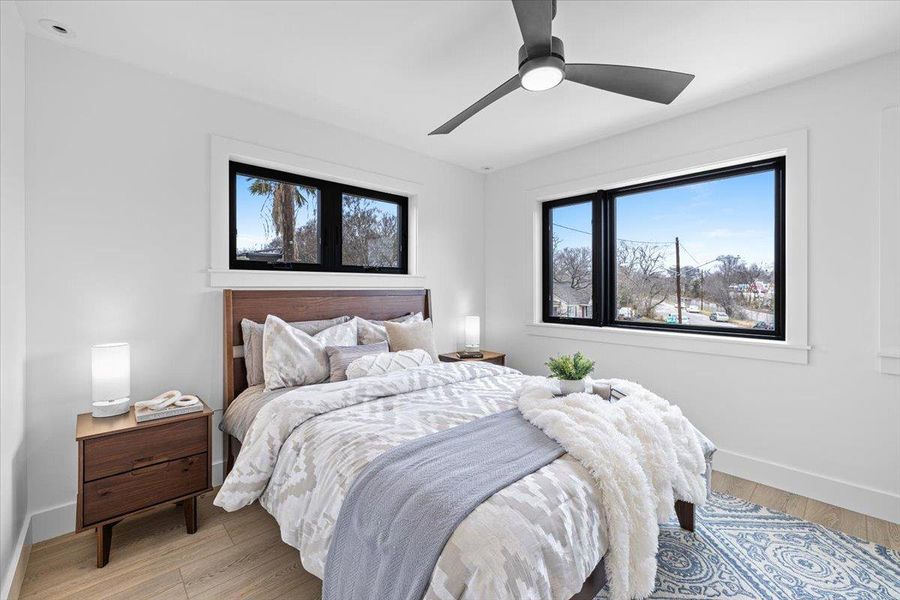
110 379
473 333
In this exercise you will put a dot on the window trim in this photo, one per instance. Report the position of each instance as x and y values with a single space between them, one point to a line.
330 223
604 271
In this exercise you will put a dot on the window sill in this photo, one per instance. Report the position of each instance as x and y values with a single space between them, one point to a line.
771 350
227 278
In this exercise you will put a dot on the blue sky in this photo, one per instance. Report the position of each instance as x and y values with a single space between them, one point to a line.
724 216
251 233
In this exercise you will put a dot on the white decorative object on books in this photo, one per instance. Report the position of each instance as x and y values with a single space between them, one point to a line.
167 404
110 379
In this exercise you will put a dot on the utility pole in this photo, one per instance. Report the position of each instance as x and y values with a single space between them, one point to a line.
678 277
701 289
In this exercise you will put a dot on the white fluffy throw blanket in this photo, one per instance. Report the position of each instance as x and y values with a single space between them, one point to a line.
642 452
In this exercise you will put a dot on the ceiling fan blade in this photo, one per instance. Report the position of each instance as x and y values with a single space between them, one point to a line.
535 18
506 87
654 85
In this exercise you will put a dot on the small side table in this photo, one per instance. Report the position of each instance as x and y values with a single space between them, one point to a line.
126 467
497 358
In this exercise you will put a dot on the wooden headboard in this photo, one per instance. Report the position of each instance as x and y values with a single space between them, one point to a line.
306 305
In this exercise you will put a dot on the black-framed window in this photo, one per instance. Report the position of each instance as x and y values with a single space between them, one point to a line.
700 253
284 221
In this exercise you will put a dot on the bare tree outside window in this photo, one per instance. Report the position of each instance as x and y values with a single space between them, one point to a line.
572 261
370 232
642 280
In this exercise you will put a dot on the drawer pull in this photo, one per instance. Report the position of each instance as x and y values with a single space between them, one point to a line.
148 460
149 469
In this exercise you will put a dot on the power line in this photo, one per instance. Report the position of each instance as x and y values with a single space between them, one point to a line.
572 229
688 252
646 242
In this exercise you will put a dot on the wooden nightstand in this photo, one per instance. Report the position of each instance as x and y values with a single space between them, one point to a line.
126 467
497 358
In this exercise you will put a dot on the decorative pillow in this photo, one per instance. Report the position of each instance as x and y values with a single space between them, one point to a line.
412 335
379 364
291 357
372 332
253 342
339 357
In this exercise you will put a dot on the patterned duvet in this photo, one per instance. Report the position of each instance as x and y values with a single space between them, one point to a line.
539 538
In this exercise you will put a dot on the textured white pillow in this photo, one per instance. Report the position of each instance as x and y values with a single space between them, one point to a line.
372 332
386 362
292 357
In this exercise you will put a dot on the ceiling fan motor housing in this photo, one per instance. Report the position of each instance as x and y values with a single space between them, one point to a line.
556 49
555 62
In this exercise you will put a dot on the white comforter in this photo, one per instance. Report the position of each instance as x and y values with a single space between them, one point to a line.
537 539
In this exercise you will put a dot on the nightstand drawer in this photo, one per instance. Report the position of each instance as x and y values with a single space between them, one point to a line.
120 494
113 454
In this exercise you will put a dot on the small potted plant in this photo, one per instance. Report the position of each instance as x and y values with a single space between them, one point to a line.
571 371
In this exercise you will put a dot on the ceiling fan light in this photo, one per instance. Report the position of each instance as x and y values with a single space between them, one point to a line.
542 73
542 78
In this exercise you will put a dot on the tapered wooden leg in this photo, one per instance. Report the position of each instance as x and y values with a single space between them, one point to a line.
104 541
685 513
190 514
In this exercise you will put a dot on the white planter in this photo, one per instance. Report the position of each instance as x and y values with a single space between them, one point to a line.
571 386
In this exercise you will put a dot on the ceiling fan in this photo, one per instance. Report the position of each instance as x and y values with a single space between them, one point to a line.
542 65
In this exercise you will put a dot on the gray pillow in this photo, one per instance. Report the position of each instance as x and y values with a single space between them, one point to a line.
340 357
412 335
292 357
253 342
372 332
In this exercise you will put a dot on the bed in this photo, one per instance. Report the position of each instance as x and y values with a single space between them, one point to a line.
558 558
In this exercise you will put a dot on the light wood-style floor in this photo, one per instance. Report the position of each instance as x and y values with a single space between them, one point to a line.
240 555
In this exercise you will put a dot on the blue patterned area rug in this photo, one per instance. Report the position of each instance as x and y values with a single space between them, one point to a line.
743 550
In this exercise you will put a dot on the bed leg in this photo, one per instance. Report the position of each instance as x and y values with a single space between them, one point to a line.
685 513
229 456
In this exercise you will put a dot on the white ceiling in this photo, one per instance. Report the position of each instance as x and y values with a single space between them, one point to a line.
396 70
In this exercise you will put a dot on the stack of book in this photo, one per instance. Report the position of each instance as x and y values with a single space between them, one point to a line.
147 414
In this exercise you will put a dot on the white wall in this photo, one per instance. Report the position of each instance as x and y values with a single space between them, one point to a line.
118 238
13 487
829 429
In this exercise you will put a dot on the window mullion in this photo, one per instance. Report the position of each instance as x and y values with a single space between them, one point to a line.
597 270
331 228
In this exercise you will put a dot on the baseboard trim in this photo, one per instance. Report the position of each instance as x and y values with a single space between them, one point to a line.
12 580
869 501
60 520
218 473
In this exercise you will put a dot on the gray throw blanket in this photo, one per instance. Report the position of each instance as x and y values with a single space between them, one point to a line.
405 505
